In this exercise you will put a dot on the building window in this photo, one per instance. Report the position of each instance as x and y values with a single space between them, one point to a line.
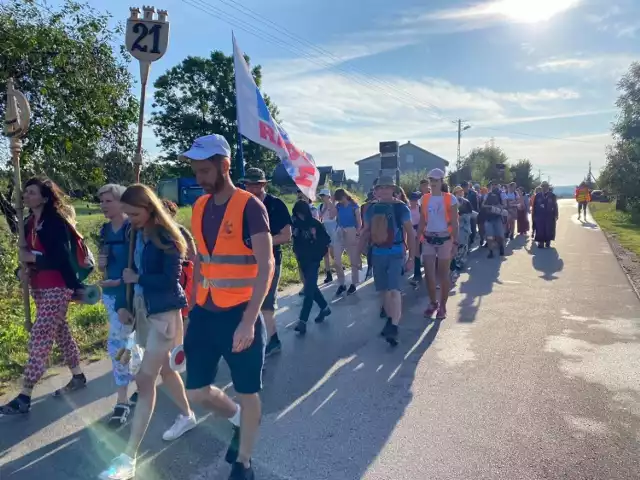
368 172
409 159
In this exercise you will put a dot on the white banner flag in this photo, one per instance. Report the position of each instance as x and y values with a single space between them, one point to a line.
256 124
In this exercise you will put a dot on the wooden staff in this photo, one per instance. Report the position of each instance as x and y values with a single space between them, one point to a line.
17 118
147 39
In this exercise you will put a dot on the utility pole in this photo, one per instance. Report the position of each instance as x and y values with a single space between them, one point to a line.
461 128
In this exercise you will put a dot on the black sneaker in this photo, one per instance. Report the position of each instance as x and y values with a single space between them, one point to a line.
77 382
234 447
240 472
322 315
120 415
341 290
301 327
328 278
391 335
274 346
352 289
18 406
490 254
133 399
385 330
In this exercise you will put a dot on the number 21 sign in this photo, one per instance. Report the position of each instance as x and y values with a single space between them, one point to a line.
147 38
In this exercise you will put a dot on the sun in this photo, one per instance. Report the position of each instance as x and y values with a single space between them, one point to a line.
531 11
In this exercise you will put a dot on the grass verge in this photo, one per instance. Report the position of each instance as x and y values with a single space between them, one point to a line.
619 224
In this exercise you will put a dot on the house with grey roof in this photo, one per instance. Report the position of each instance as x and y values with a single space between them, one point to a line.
412 159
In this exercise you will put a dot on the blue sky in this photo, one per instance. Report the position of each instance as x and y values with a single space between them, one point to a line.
359 72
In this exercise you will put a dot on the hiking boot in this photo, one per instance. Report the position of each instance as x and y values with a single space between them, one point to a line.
341 290
77 382
328 278
301 327
391 335
352 289
322 315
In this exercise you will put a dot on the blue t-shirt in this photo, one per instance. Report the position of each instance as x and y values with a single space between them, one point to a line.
405 216
347 215
117 245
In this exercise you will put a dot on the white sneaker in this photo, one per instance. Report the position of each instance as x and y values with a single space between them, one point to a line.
122 467
181 426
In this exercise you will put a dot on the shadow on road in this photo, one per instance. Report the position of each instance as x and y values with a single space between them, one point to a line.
483 273
318 392
547 261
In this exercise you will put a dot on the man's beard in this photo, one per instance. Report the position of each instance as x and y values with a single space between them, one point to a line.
217 186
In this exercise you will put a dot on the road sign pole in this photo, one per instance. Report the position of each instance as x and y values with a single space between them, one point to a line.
17 118
147 39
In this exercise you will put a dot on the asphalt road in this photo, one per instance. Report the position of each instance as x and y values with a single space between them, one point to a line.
534 375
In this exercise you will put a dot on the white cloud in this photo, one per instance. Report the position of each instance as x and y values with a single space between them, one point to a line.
610 66
340 121
621 20
489 13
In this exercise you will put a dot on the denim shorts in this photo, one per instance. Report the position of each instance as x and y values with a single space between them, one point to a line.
209 337
270 303
387 272
494 228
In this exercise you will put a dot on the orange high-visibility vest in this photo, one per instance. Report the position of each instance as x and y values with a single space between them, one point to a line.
583 195
229 271
447 209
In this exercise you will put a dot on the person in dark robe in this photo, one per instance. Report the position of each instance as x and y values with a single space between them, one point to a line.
545 212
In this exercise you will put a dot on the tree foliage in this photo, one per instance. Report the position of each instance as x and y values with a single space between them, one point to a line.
621 173
522 174
481 165
77 86
198 97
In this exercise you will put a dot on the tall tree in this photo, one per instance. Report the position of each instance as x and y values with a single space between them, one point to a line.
522 174
621 173
484 164
78 87
198 97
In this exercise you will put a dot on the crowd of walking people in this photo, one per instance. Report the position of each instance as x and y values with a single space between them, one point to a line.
214 288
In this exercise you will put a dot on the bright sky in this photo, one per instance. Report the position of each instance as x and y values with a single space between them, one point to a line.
538 76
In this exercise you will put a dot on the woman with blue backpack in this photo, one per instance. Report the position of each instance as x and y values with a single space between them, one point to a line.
54 281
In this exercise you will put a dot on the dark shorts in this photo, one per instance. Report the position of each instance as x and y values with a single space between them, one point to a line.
388 272
270 303
210 337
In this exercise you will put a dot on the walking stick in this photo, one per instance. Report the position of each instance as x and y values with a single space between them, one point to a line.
17 118
146 39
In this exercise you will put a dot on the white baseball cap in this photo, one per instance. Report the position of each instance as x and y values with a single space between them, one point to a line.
436 174
208 146
325 191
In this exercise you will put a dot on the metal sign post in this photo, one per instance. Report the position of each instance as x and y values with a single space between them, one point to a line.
390 159
146 39
17 118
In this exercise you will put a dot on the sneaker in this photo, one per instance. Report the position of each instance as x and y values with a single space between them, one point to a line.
133 399
301 327
431 309
234 446
391 335
442 313
352 289
322 315
182 425
17 406
120 415
383 314
274 346
76 383
328 278
240 472
341 290
385 330
122 467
